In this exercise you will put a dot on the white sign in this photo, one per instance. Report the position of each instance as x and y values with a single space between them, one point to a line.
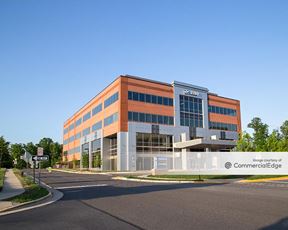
161 163
40 158
40 151
191 92
237 163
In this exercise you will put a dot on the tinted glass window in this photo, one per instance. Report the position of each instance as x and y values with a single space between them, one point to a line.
86 116
142 97
160 100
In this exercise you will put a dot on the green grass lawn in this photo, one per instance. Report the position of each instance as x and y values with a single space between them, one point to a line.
2 176
32 191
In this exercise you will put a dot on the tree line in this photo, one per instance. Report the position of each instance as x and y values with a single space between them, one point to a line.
10 154
263 141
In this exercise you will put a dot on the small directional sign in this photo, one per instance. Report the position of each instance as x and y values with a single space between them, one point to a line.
40 158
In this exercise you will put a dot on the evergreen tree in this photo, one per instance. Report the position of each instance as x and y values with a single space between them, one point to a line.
6 160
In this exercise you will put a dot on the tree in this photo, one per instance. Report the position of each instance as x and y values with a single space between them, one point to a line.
85 160
56 151
16 151
284 129
260 134
273 143
31 148
46 143
6 160
245 143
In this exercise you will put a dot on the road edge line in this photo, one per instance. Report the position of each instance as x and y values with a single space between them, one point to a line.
264 180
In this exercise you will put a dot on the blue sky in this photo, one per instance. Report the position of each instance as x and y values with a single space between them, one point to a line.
56 55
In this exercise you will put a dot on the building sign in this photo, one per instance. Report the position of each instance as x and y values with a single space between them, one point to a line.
191 92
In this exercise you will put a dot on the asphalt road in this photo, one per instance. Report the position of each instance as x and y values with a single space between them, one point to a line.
111 204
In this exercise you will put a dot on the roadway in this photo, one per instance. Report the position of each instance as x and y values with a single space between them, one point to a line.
98 202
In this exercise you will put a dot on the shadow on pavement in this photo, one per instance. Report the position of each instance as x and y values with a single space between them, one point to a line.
280 225
112 191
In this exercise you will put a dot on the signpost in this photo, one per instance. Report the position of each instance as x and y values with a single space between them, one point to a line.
40 151
39 157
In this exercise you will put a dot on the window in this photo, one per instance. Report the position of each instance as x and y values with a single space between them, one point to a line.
166 101
150 118
191 111
135 96
71 127
135 116
71 139
152 143
130 95
86 131
160 119
221 110
160 100
74 150
154 118
111 100
78 136
78 122
97 109
111 119
77 149
65 142
97 126
149 98
142 97
96 145
130 116
222 126
141 117
86 116
154 99
65 131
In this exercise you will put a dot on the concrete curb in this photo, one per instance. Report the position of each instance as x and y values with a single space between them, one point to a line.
152 181
26 203
55 196
85 173
264 180
165 181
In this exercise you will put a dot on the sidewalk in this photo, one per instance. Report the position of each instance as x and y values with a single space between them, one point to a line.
12 187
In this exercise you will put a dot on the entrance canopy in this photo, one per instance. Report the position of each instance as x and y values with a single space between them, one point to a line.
204 143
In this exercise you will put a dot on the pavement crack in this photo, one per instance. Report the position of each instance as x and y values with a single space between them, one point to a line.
107 213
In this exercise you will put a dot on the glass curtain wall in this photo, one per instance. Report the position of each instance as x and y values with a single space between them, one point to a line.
96 153
191 111
149 146
85 155
113 153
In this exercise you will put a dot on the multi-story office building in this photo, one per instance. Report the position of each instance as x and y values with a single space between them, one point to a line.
135 119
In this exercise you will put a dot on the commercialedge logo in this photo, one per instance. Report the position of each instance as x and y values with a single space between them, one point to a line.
268 165
228 165
191 92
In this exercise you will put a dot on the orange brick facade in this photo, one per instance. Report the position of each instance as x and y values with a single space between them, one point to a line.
122 85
